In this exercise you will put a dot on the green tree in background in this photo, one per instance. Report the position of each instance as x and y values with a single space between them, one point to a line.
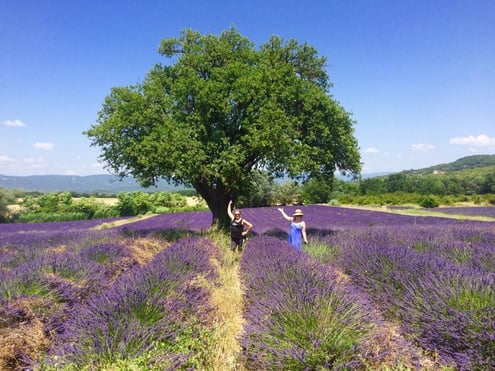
6 198
222 109
316 192
49 202
258 191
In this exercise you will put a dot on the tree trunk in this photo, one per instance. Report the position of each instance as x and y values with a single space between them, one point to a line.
217 200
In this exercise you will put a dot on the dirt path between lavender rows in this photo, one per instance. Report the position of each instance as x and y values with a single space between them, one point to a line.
227 297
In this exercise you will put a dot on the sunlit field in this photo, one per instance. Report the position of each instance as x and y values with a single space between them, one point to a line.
370 291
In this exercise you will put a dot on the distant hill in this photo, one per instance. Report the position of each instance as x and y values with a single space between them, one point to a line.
364 176
90 184
103 184
109 184
464 163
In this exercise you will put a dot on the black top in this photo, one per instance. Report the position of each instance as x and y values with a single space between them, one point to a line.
236 229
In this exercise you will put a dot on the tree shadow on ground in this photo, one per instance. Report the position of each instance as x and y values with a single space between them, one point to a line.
319 233
278 233
311 232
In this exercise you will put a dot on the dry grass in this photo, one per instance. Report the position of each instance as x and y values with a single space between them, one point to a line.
122 222
194 201
14 209
227 298
144 249
110 201
25 338
400 355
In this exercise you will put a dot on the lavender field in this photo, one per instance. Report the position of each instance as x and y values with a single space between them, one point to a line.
371 290
488 211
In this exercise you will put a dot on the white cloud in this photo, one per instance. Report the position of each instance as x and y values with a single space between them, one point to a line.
36 161
421 147
6 159
17 123
480 141
46 146
371 150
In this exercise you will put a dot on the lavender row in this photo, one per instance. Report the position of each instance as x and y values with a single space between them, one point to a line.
66 226
142 312
469 246
65 273
195 221
19 248
267 220
322 219
466 245
47 274
488 211
301 314
444 307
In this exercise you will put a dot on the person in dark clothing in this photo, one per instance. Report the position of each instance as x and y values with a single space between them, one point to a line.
239 228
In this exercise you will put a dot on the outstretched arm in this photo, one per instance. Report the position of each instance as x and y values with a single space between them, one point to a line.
286 217
229 210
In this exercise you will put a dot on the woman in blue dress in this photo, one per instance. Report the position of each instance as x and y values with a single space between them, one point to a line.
297 234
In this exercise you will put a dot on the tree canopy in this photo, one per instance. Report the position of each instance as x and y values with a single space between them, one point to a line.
223 108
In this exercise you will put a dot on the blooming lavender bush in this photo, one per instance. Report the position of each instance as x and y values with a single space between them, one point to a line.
299 314
20 248
196 221
143 312
470 246
464 244
66 226
43 275
445 307
488 211
322 220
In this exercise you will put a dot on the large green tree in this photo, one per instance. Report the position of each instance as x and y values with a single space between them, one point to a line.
222 108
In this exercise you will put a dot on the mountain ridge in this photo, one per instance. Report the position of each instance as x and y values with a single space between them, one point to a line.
100 183
110 184
463 163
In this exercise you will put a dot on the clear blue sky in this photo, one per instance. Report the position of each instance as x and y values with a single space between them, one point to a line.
418 76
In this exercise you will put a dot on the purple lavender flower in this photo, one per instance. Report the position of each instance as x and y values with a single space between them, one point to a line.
153 304
299 313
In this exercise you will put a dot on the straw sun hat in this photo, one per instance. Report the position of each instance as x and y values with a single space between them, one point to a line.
298 212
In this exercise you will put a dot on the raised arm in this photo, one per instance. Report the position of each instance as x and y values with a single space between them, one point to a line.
229 210
286 217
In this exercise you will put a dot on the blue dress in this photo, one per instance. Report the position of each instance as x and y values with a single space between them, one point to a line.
295 235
